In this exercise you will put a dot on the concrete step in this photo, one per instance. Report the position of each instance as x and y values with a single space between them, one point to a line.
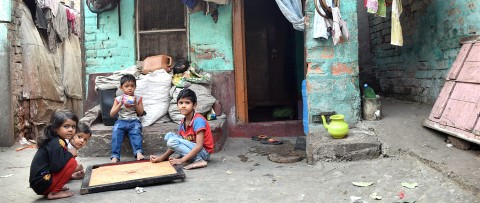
357 145
99 144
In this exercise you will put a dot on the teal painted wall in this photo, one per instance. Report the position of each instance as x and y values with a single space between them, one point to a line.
432 31
7 134
6 7
105 50
211 43
332 71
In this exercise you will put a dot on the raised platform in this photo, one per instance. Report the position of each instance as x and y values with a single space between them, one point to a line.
357 145
100 142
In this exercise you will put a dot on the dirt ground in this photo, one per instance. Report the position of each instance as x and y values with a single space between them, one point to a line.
242 171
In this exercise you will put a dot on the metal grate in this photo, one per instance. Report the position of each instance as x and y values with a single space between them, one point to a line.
160 15
161 28
171 43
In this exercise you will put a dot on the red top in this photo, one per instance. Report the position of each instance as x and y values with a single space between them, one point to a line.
197 124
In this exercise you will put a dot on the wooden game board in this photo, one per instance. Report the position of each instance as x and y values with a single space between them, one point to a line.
123 175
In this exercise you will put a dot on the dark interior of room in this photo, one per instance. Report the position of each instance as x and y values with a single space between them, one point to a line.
273 74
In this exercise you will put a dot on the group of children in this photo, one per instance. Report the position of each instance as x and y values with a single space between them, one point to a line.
54 163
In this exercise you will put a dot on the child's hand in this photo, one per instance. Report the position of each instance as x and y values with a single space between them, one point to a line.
175 161
73 151
80 167
155 159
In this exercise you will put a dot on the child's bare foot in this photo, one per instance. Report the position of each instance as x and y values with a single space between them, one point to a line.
114 160
65 188
59 195
140 156
78 175
197 164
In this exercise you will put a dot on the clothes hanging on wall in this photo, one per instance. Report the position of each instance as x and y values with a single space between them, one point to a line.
205 7
60 22
189 3
339 26
372 6
51 4
382 8
292 10
40 20
70 19
321 26
396 35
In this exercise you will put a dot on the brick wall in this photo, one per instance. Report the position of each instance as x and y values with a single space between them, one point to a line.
23 127
432 31
105 50
332 71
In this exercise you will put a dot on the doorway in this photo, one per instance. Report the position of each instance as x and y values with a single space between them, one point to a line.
273 63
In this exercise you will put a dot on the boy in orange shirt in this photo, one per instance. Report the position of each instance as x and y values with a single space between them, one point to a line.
194 141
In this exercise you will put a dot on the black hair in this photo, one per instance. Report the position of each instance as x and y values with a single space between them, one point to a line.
127 78
56 121
180 66
83 128
187 94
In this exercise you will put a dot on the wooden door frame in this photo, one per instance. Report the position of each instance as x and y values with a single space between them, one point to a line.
241 104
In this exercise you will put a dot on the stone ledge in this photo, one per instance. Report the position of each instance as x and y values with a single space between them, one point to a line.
99 144
357 145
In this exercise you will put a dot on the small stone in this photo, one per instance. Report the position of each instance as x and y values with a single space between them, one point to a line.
459 143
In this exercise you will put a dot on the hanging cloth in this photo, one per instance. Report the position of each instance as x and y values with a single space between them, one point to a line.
189 3
372 6
382 8
396 35
321 24
339 27
292 10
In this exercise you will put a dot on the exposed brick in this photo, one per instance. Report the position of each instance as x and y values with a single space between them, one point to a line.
341 68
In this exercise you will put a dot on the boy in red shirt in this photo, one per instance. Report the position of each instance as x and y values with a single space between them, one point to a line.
194 141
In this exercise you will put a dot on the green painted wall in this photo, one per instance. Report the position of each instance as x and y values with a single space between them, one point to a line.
332 71
211 43
105 50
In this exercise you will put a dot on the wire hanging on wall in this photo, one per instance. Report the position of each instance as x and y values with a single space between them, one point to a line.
326 9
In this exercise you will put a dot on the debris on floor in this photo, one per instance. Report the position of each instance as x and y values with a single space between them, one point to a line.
362 184
355 199
375 196
6 176
410 185
140 190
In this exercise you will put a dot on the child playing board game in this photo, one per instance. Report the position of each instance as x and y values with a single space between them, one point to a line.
53 163
194 141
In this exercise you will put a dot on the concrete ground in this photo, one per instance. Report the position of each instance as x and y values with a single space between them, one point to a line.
241 172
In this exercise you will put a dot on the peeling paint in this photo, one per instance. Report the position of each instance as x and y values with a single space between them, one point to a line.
332 71
211 45
327 53
341 68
